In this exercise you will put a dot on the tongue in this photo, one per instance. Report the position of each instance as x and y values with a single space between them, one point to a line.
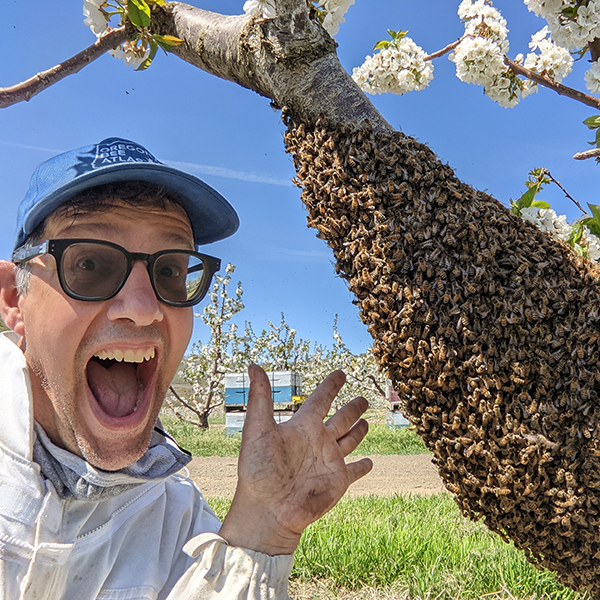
115 388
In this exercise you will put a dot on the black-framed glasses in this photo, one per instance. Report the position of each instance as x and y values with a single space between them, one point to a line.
95 270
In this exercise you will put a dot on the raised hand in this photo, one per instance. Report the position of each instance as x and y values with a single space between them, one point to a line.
291 474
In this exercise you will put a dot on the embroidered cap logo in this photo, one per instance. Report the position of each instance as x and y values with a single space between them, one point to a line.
109 153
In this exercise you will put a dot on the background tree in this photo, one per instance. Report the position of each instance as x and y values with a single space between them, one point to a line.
206 366
277 348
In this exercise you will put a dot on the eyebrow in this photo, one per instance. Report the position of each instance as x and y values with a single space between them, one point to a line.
104 229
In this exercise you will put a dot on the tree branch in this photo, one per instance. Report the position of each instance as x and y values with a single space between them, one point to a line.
443 51
24 91
291 61
565 192
559 88
178 414
563 90
376 384
594 48
594 153
184 402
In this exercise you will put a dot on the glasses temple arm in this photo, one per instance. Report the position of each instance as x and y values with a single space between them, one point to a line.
25 254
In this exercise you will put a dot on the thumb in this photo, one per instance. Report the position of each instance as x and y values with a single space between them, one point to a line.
260 400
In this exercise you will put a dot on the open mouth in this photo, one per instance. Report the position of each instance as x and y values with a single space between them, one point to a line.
120 380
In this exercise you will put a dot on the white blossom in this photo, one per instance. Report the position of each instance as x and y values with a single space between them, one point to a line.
264 8
334 14
95 19
529 214
478 61
479 57
483 20
593 251
503 91
554 61
569 32
130 54
397 69
592 78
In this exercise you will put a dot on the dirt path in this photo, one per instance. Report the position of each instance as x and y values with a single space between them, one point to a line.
393 474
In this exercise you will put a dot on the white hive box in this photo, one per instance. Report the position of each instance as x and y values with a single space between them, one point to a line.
234 422
395 419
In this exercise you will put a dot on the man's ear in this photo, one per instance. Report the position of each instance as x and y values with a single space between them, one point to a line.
9 299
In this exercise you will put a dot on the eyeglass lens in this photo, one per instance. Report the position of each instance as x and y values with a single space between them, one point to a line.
97 271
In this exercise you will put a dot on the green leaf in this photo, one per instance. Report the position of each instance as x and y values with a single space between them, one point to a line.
592 224
527 198
148 61
576 235
382 44
139 13
167 41
514 208
540 204
570 11
595 211
592 122
598 138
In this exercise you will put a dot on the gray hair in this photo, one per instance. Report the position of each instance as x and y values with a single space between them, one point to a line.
23 270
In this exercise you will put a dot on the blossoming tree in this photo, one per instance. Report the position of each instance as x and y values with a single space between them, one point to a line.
276 348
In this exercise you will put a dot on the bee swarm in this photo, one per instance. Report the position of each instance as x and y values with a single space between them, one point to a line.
489 329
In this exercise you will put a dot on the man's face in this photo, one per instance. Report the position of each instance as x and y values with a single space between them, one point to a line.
88 402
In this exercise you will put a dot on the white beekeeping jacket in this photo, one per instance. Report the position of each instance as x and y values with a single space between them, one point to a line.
128 547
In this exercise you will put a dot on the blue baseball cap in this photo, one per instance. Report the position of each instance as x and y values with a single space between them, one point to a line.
116 160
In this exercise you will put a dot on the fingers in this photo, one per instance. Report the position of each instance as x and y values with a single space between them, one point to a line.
320 400
359 469
344 418
349 442
260 399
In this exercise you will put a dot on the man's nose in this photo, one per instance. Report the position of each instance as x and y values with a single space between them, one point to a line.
136 301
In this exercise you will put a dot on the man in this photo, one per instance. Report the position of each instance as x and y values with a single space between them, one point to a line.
98 296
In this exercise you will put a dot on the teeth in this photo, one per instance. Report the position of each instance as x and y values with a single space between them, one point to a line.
129 356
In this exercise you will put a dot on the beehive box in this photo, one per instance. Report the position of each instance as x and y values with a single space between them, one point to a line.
395 416
284 385
236 390
396 420
234 422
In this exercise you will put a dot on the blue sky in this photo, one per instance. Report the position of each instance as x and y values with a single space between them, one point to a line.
232 138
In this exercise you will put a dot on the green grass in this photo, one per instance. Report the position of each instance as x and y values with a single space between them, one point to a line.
202 442
382 440
420 544
214 442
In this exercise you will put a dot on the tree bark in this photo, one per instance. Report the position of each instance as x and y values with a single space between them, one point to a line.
290 60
